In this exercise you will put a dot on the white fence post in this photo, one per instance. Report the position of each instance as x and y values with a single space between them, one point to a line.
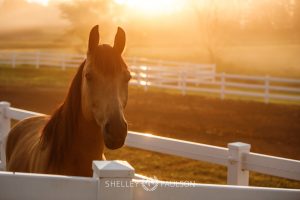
236 175
13 60
115 179
146 78
139 77
4 130
214 72
63 62
37 60
134 62
267 89
223 81
159 75
183 82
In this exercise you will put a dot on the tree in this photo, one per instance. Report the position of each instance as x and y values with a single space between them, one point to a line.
296 17
271 15
83 14
217 20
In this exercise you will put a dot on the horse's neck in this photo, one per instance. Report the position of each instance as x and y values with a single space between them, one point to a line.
88 141
87 145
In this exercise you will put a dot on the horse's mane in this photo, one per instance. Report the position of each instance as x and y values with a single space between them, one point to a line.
57 133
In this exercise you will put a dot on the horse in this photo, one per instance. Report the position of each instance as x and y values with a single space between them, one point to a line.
90 118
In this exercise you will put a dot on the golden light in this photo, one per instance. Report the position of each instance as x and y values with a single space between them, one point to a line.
143 67
144 83
42 2
143 75
148 134
153 7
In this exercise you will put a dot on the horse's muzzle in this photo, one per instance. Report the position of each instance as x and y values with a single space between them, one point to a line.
115 134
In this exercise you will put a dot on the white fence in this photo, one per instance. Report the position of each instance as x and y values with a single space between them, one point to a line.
184 77
124 184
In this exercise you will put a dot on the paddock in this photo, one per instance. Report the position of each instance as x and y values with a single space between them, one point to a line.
127 185
182 77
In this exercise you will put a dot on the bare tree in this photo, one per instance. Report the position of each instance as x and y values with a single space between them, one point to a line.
83 14
216 21
296 17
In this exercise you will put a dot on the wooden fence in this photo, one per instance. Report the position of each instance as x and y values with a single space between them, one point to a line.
237 157
183 77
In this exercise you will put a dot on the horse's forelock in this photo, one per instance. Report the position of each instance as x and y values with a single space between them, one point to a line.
107 61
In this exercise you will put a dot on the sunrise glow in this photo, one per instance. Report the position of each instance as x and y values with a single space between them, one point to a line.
153 7
42 2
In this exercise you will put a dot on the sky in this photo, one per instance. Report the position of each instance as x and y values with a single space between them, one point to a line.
18 15
41 21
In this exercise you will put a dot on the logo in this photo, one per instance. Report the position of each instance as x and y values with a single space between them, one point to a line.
150 184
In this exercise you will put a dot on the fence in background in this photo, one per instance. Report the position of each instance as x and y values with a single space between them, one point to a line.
184 77
237 157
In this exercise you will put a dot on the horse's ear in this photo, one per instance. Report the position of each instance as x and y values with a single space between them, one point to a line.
93 39
120 40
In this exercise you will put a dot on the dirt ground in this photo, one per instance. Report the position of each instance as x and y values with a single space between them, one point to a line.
272 129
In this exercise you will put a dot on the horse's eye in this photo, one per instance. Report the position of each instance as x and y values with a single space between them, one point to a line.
88 76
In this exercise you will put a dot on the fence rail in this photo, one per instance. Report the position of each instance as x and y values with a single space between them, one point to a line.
183 77
121 184
237 157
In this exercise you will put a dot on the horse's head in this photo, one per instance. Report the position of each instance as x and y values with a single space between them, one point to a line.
104 89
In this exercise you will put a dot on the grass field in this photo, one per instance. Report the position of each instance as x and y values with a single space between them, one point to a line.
28 75
270 129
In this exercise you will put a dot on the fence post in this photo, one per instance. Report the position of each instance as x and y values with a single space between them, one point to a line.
63 62
223 81
179 79
159 74
198 75
139 78
146 71
13 60
159 78
37 61
134 63
236 175
4 130
214 72
183 82
115 179
267 89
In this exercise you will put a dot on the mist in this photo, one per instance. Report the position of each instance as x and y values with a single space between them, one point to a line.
244 37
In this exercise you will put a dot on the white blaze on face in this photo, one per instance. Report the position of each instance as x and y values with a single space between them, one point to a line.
42 2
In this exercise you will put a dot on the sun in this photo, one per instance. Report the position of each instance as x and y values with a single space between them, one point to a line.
153 7
42 2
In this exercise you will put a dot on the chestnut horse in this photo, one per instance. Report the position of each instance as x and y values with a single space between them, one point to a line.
90 117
